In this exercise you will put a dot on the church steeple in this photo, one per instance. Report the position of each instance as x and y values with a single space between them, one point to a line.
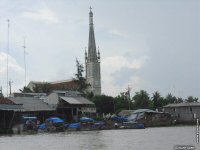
92 55
92 61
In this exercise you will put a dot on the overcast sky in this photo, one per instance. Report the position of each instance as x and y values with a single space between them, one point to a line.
145 44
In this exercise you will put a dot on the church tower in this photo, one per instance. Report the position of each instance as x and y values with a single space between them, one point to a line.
92 61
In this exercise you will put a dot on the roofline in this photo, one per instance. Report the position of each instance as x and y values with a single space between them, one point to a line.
52 82
186 105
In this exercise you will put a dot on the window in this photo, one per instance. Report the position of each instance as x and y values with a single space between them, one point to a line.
191 109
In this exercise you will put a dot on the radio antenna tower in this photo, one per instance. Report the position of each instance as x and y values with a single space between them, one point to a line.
24 46
8 49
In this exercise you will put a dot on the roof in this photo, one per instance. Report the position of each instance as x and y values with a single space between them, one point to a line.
32 104
61 81
183 104
125 112
6 101
76 100
68 93
13 107
143 110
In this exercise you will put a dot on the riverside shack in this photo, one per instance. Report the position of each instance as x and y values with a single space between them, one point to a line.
9 114
184 112
34 106
70 105
148 117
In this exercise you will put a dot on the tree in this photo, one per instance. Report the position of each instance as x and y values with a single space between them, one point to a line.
141 100
25 90
179 100
79 79
157 100
191 99
122 102
104 104
41 88
45 88
170 99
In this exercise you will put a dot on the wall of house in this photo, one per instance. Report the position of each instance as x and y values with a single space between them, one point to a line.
52 99
184 113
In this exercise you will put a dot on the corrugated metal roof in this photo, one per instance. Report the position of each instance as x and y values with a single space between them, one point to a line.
6 101
76 100
32 104
183 104
13 107
143 110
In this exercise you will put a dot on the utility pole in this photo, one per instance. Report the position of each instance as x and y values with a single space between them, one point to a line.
1 92
8 49
128 96
10 86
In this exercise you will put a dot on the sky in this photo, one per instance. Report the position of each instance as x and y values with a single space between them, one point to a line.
147 45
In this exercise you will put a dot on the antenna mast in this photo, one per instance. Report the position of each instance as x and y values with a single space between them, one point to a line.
24 46
8 48
10 86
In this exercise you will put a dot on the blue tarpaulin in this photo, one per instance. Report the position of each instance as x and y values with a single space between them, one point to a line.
86 119
42 126
122 119
74 125
55 120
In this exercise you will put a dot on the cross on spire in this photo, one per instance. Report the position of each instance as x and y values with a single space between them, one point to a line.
90 8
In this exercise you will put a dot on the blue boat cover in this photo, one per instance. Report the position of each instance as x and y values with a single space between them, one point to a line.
74 125
86 119
55 120
42 126
122 119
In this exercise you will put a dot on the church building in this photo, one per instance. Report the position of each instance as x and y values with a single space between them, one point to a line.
92 61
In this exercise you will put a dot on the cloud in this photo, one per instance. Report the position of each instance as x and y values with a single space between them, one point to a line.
16 72
117 62
43 14
118 73
118 33
12 63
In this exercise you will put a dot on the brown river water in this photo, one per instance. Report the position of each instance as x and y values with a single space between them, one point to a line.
161 138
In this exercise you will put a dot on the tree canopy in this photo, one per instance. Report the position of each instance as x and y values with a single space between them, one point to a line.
79 79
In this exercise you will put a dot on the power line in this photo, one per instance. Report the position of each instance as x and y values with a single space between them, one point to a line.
8 49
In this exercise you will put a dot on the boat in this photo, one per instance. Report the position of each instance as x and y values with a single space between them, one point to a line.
53 124
86 124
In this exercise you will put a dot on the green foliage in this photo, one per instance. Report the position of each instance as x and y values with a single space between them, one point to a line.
104 104
122 102
141 100
191 99
107 104
170 99
41 88
25 90
179 100
157 100
79 79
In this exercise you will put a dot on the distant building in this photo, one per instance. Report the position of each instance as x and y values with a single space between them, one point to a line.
9 114
70 105
184 112
92 61
55 85
34 106
149 118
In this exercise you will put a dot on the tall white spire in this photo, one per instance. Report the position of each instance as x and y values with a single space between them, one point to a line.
92 60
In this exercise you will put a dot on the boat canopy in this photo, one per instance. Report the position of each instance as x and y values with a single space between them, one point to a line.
85 119
55 120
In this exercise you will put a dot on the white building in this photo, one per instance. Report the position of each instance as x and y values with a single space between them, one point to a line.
92 61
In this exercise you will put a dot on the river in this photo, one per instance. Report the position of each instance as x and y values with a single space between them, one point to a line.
161 138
